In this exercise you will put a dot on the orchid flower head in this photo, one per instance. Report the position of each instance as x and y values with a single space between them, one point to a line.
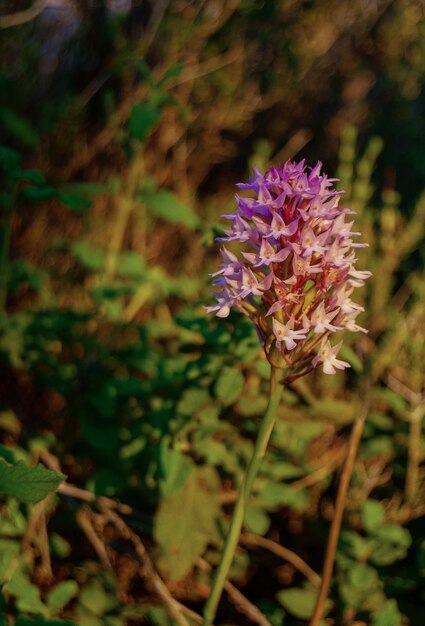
292 267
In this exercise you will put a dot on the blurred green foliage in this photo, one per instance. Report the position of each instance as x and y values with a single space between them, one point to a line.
113 375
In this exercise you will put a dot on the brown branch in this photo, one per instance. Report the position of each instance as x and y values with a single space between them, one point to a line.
239 600
72 491
36 535
148 572
206 30
414 452
344 484
85 523
415 417
403 390
321 473
250 539
23 17
407 514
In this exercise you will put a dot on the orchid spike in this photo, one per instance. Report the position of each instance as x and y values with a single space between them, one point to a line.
296 270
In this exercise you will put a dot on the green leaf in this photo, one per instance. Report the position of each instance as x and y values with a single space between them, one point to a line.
10 423
6 454
32 176
283 470
359 585
263 368
349 355
157 616
395 400
388 615
274 613
60 595
362 576
97 599
378 446
174 469
373 515
27 595
379 421
59 547
229 384
167 206
257 520
13 522
131 264
391 544
101 435
75 201
192 400
172 72
142 119
215 452
10 160
29 484
186 522
41 621
336 410
9 552
354 544
274 495
19 127
22 273
89 256
38 194
107 482
145 71
299 602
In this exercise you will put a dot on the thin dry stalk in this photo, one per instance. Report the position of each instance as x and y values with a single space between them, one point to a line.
72 491
23 17
414 452
239 600
262 542
344 484
321 473
85 523
148 572
36 535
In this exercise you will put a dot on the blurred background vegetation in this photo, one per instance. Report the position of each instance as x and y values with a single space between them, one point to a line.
124 128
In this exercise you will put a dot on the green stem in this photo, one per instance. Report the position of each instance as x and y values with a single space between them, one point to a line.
234 531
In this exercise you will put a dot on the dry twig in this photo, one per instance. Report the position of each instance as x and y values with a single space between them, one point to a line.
36 535
239 600
109 508
148 572
72 491
344 484
86 525
250 539
25 16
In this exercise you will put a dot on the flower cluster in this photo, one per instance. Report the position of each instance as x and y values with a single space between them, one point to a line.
296 273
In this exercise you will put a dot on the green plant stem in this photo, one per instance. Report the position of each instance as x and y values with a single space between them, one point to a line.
234 531
341 498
